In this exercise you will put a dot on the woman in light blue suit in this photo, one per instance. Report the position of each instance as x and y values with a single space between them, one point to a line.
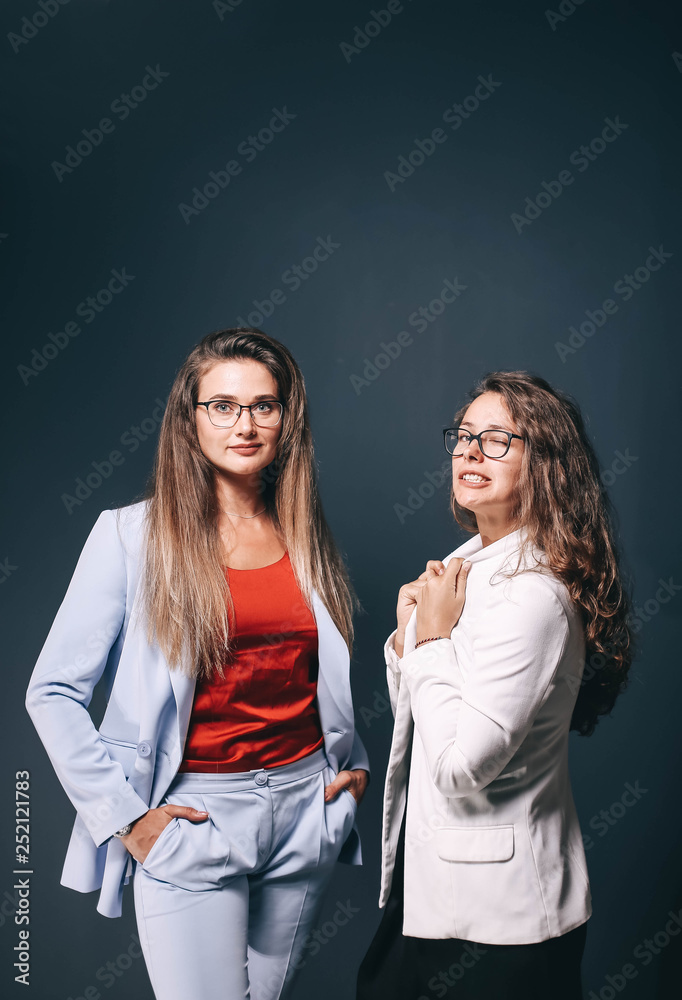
225 775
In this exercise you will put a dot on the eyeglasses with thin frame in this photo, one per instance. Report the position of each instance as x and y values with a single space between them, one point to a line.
493 443
226 413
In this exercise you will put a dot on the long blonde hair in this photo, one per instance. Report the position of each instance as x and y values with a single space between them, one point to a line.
186 595
566 512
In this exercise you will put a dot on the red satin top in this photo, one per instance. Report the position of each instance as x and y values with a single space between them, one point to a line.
262 713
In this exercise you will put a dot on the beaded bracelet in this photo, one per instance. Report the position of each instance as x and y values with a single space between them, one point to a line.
432 639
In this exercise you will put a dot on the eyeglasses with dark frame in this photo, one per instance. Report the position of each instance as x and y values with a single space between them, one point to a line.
493 443
226 413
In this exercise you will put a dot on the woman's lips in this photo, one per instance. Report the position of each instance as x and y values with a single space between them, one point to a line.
245 449
472 483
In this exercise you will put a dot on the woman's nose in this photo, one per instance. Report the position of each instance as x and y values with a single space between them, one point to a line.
472 448
245 421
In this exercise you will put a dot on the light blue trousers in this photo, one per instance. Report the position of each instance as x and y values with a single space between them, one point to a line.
223 906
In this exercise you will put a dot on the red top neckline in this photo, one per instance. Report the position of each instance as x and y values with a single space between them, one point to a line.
256 569
262 712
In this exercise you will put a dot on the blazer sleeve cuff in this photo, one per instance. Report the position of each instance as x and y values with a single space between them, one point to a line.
358 755
433 660
133 808
390 655
392 670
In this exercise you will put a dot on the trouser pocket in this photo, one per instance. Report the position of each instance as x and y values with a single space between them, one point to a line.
191 855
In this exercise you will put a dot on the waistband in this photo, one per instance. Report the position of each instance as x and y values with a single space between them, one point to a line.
193 781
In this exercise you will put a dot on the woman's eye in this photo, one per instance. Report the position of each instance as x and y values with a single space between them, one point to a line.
265 407
222 407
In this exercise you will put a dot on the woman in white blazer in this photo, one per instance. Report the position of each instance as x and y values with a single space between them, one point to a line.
225 775
483 876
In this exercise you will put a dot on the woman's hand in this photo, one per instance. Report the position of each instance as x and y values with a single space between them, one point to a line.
355 781
407 599
441 597
146 830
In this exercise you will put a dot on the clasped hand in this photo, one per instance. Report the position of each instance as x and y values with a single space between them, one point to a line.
439 594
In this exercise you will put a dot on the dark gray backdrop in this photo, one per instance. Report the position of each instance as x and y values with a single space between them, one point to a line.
399 216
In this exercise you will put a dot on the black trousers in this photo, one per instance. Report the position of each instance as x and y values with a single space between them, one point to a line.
408 968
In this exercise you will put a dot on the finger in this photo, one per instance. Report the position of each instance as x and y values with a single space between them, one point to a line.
342 780
461 579
436 565
427 575
185 812
433 568
451 570
454 566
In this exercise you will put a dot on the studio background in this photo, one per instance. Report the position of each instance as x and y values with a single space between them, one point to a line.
478 225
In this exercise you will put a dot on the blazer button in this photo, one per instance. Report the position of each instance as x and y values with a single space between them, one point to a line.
144 749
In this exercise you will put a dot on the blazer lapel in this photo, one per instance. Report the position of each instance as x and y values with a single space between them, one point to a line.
183 691
333 688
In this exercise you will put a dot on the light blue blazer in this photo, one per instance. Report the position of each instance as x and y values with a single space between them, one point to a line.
114 774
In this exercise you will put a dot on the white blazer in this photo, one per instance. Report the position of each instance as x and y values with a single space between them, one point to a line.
493 849
114 774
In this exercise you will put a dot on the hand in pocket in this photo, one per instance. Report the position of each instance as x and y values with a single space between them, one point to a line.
149 827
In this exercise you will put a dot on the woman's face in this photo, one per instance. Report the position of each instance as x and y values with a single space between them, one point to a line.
245 448
486 486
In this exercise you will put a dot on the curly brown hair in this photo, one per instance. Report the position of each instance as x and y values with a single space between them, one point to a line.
567 513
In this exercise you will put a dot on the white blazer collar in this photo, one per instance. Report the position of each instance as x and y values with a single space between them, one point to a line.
474 551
